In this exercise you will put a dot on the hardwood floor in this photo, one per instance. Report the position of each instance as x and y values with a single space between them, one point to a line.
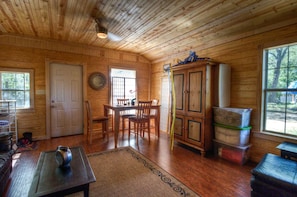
208 176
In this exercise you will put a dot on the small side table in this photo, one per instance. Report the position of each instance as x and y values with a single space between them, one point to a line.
288 150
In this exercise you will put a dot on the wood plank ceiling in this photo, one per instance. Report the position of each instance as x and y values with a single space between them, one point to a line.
152 28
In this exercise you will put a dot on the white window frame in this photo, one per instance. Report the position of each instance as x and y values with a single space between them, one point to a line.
31 94
269 124
126 93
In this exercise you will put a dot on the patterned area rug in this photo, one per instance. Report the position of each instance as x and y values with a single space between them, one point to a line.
126 172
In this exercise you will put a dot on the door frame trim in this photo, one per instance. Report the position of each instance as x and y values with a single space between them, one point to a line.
48 62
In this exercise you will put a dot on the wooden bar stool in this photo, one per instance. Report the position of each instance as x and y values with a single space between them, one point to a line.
154 116
125 115
94 120
141 119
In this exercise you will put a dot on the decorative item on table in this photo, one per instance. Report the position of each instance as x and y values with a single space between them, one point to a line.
63 156
133 101
132 94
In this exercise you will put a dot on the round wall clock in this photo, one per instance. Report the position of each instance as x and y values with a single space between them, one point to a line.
97 80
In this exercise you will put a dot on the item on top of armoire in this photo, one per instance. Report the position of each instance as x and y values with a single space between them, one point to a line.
191 58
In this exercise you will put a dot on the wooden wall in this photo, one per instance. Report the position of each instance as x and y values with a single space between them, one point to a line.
22 52
245 58
243 55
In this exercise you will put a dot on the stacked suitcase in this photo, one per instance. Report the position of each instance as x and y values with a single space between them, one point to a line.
232 132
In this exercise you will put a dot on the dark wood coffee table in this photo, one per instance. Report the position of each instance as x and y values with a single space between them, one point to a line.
50 180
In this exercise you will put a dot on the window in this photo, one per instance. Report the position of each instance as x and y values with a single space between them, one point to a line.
123 84
17 84
280 90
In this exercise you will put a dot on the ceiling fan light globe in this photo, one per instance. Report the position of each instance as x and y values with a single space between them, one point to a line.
101 35
101 31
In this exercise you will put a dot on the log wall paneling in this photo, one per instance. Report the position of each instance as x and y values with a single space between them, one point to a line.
244 56
22 55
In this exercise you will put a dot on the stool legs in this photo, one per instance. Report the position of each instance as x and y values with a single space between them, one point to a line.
104 130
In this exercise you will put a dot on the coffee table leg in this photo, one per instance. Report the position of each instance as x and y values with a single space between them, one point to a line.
86 191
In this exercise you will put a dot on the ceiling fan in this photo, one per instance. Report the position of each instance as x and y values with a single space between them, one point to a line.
103 33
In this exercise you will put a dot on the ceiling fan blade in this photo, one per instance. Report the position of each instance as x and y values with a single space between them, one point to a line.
114 37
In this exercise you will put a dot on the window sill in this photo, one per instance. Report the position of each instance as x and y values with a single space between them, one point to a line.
25 110
273 136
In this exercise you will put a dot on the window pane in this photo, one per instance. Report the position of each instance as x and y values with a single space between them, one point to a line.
291 124
292 73
275 112
277 71
130 88
117 89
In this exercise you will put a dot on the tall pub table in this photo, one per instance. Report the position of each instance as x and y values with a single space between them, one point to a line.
118 108
51 180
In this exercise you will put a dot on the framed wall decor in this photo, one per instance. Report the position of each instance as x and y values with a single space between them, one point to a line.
97 80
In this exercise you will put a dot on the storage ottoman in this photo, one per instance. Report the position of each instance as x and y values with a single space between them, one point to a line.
5 170
5 159
274 176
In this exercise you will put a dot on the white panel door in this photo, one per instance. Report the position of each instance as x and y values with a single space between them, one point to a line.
66 100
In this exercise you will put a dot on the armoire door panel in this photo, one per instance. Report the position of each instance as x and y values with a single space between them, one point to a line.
195 91
194 131
179 91
179 127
